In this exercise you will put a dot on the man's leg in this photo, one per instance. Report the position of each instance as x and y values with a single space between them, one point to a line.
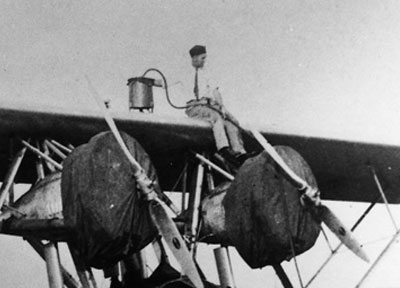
216 121
219 131
220 137
236 141
235 137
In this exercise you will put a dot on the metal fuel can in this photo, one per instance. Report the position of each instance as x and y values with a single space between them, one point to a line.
141 93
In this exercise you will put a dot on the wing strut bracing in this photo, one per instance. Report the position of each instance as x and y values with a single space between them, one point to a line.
84 271
12 172
395 236
42 155
69 281
334 251
282 276
52 259
379 258
379 186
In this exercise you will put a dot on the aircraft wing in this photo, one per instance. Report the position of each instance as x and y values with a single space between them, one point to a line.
165 139
342 168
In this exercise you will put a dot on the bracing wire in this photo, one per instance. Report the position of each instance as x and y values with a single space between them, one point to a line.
327 240
286 211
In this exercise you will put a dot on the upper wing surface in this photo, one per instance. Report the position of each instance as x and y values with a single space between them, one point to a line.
342 168
165 139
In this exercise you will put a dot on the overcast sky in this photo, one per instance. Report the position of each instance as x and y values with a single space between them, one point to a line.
326 68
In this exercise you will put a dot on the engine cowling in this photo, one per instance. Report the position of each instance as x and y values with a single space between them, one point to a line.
260 211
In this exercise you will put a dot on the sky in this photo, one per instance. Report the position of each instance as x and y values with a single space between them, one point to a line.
320 68
328 68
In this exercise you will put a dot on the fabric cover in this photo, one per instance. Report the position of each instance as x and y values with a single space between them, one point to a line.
102 203
257 218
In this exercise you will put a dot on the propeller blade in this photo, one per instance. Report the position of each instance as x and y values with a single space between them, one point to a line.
174 241
278 159
113 127
324 213
344 234
158 211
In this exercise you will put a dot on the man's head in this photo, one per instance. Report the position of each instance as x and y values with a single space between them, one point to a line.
199 55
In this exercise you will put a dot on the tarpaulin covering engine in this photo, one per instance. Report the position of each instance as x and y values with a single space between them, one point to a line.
262 206
101 201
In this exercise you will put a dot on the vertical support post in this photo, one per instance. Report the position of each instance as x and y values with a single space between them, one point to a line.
224 268
380 189
184 187
230 265
84 273
92 281
140 261
47 153
223 261
53 265
11 173
196 202
282 276
210 179
39 168
39 165
69 281
11 194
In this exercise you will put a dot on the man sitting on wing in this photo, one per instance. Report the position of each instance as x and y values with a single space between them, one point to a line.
210 108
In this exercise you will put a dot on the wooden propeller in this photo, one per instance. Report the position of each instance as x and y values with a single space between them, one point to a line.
157 209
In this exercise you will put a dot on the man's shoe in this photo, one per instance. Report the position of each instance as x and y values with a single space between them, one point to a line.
242 157
229 155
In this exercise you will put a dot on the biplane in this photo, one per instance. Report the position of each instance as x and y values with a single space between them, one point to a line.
65 154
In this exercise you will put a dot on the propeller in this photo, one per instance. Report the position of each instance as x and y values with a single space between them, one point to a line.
311 195
157 209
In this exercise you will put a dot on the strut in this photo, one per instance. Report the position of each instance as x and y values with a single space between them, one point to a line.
394 237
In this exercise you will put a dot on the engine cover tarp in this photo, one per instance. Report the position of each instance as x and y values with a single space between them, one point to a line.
101 201
257 218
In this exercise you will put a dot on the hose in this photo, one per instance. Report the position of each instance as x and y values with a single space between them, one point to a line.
166 88
187 106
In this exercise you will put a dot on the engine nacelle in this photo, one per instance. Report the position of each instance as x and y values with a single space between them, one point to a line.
260 212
